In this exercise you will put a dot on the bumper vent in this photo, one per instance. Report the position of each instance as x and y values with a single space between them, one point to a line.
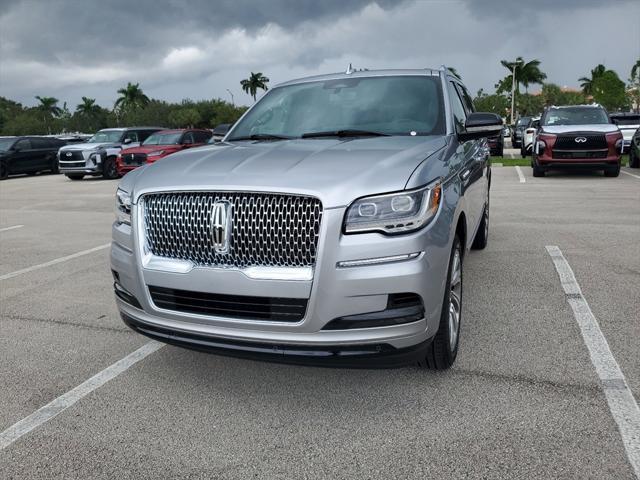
230 306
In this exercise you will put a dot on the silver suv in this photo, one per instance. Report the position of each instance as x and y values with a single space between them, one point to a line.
98 155
329 226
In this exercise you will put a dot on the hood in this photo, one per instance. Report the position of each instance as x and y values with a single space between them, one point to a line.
559 129
335 170
88 146
150 148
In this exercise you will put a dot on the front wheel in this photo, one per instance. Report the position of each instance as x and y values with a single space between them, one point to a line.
443 350
482 235
55 166
109 169
634 161
612 171
537 171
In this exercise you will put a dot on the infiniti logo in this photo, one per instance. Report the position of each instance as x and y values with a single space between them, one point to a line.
69 154
580 139
221 226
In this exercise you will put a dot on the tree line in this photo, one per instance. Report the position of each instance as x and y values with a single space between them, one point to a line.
132 108
601 85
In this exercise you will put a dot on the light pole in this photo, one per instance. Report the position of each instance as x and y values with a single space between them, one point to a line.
232 102
513 90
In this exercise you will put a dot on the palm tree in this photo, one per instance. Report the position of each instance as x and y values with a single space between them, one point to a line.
635 70
88 106
586 83
49 105
131 97
253 83
527 73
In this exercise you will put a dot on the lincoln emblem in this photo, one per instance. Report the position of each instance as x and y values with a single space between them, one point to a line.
221 226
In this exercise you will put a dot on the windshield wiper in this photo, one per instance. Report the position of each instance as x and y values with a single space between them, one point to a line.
345 133
261 136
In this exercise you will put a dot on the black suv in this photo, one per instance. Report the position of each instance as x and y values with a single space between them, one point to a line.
28 155
517 132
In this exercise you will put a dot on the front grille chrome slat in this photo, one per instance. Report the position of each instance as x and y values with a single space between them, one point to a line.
268 229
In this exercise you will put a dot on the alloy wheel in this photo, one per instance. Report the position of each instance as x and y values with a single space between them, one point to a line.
455 299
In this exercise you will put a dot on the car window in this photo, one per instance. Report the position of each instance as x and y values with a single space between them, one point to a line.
132 134
468 103
202 137
457 107
187 139
144 134
39 143
23 144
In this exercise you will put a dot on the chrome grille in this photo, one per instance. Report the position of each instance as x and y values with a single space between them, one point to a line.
273 230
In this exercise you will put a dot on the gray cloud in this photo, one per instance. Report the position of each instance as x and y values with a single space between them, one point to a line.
199 48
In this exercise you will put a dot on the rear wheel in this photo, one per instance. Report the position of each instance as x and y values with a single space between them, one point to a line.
634 161
109 169
482 235
74 176
4 169
612 171
444 348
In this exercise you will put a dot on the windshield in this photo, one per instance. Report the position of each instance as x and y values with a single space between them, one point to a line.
163 139
575 116
523 121
109 136
400 105
5 143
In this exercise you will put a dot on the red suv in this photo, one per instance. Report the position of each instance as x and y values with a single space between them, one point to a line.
577 136
159 145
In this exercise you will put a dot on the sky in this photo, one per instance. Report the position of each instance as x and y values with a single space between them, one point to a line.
201 49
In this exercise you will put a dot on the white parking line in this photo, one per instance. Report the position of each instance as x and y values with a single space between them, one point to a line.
622 404
6 229
520 174
60 404
53 262
627 173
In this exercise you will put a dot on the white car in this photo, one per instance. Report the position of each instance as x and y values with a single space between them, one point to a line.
628 123
528 137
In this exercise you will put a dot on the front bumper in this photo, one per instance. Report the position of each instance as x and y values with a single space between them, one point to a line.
88 166
332 293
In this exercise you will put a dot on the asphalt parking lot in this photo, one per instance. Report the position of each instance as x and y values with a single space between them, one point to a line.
523 400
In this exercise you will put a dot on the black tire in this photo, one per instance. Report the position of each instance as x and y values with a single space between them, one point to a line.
4 169
109 170
443 350
55 166
537 171
612 171
634 161
482 235
523 152
74 176
500 152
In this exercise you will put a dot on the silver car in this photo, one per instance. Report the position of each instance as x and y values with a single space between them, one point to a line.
329 226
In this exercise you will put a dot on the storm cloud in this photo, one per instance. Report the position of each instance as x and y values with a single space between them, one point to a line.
198 49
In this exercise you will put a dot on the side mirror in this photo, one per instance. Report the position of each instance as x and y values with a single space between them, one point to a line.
126 141
481 125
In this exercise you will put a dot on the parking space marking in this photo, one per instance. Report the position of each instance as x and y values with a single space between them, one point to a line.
622 404
68 399
6 229
53 262
520 174
627 173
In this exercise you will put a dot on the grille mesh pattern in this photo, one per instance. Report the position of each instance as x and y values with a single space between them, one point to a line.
568 142
267 229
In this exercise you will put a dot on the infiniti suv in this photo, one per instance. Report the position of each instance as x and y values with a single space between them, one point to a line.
329 226
577 136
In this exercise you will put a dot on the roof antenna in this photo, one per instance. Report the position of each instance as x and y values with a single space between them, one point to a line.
349 70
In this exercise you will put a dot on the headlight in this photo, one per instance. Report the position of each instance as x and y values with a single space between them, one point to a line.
123 207
399 212
155 154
